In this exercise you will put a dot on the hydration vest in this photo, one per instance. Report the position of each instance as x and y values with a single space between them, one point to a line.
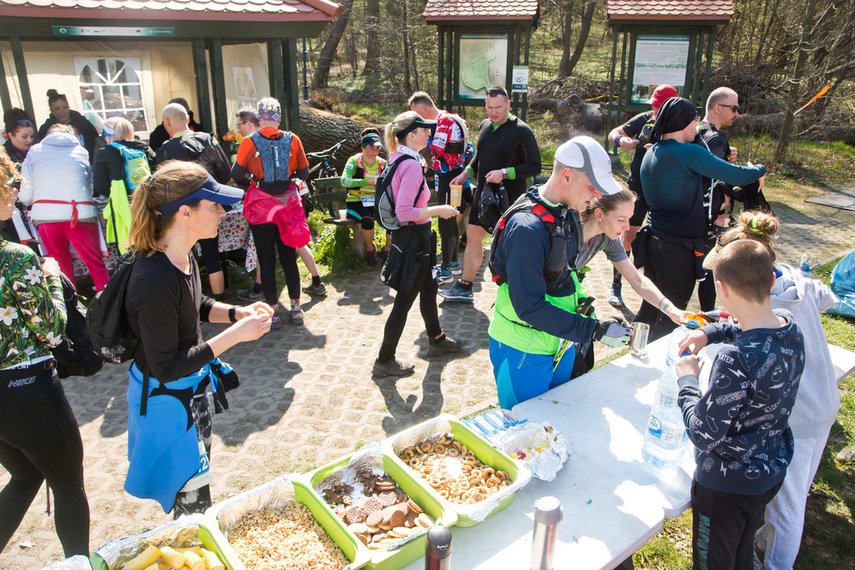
275 155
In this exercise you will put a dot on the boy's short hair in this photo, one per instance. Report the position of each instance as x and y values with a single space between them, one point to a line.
745 267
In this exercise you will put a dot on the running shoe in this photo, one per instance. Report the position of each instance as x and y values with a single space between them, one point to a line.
276 320
456 268
296 313
458 293
394 367
312 289
384 253
615 298
250 294
373 260
447 346
443 275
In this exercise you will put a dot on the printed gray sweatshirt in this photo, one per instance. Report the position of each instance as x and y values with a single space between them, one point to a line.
739 426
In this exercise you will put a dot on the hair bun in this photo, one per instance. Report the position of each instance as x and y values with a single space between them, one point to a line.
52 93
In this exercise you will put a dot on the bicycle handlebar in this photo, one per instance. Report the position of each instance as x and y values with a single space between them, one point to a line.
328 153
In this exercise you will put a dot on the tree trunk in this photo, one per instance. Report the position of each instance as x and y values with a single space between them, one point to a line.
566 35
795 82
587 18
372 37
321 130
320 78
406 39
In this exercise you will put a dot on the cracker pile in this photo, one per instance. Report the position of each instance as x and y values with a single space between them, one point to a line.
453 471
286 538
382 516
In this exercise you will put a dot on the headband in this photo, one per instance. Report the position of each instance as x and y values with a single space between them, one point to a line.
674 115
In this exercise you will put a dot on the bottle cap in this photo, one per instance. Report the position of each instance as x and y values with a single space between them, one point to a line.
547 510
438 542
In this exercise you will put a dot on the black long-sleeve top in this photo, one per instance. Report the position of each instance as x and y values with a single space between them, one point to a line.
164 308
509 145
109 165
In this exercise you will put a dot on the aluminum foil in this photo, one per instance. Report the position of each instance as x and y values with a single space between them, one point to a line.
179 533
74 563
545 448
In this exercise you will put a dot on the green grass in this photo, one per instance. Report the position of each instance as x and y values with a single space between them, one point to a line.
828 540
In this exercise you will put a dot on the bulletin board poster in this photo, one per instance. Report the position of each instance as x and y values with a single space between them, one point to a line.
483 63
658 60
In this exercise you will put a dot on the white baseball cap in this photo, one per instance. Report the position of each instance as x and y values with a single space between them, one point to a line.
588 156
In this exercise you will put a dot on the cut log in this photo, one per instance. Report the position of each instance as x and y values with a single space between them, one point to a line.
321 130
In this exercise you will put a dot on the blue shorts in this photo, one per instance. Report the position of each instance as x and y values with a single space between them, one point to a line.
521 376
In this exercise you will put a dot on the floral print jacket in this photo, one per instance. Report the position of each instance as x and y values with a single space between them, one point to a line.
32 309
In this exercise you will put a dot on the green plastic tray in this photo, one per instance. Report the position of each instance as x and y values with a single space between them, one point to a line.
415 549
206 534
352 548
483 451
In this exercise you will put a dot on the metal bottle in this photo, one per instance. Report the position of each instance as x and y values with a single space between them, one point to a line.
547 514
438 548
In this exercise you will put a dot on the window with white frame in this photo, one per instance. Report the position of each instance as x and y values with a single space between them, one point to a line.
110 87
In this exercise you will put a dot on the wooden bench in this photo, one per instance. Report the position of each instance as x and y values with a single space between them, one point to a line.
330 197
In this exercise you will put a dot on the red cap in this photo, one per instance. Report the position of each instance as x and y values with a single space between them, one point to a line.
662 94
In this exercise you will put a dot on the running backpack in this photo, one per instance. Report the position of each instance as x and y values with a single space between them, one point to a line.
136 165
384 200
75 355
111 335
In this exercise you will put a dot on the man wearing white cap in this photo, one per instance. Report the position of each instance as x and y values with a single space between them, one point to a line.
532 259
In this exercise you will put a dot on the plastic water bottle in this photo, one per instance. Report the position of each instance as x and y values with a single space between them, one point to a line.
805 266
665 439
677 335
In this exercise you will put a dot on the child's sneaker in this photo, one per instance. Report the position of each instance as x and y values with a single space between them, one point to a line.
276 320
443 275
296 313
455 268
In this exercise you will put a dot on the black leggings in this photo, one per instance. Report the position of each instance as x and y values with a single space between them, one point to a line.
40 440
671 267
425 288
211 254
267 239
449 232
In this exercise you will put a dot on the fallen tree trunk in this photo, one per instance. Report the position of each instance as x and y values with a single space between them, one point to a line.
320 130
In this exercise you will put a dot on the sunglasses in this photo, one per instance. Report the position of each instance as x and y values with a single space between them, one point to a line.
734 107
496 93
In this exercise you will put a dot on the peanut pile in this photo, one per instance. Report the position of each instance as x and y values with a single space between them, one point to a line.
286 538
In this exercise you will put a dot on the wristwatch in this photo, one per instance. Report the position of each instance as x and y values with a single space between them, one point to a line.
504 173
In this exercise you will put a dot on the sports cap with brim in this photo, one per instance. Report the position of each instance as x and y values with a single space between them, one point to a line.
662 94
209 190
371 139
588 156
417 122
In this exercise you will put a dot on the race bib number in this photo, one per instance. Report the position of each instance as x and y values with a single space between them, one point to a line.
367 201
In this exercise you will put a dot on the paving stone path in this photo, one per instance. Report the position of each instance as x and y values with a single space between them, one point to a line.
308 397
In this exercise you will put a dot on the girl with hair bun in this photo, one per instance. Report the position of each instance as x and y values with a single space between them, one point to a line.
169 424
818 399
60 112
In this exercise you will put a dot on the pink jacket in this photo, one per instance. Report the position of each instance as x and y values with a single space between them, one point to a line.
409 177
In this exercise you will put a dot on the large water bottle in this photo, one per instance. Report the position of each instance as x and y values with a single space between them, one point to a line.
665 439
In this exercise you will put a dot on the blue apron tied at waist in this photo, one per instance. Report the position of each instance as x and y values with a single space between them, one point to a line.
163 445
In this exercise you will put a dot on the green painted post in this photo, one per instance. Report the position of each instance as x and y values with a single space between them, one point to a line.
292 103
200 66
21 70
5 96
218 81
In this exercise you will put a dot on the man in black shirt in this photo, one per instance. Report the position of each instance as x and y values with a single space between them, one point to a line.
507 154
203 149
722 109
635 134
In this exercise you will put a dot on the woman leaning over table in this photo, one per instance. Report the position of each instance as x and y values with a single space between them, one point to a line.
413 246
169 423
39 437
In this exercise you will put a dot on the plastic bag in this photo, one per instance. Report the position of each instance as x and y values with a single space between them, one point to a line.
843 285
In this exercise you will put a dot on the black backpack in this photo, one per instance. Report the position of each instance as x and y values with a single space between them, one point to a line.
384 201
492 203
75 355
106 320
